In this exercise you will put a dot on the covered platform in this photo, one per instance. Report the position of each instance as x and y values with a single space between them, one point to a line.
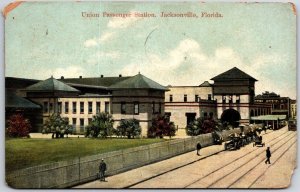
274 121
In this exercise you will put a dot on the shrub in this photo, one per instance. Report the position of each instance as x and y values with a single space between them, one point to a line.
101 126
201 126
129 128
161 126
18 126
57 125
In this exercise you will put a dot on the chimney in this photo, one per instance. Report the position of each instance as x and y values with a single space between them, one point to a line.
101 76
80 77
120 75
62 77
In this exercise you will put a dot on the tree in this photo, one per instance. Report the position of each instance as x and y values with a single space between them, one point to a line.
129 128
18 126
101 126
161 126
201 126
57 125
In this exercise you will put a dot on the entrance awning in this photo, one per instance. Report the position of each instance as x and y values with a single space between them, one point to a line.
269 117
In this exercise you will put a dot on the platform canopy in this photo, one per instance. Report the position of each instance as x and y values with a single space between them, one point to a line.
269 117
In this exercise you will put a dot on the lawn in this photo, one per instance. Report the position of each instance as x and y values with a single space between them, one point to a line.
22 153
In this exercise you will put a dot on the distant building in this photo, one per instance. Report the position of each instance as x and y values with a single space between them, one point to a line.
293 109
279 105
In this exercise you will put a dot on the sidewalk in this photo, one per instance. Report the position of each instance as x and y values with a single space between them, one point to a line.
126 179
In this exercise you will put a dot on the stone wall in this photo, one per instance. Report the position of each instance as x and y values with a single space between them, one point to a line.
69 173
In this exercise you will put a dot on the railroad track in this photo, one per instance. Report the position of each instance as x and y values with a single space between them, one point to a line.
272 142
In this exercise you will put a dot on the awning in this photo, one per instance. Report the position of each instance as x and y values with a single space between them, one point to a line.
269 117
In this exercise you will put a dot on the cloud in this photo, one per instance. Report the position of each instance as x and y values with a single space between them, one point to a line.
106 36
101 55
67 72
102 39
121 23
187 64
91 43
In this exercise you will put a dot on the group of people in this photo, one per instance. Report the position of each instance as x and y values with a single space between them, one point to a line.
268 153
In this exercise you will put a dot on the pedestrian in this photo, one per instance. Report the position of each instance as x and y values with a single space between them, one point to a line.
102 169
268 155
198 147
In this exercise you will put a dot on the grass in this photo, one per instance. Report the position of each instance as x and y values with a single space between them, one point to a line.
22 153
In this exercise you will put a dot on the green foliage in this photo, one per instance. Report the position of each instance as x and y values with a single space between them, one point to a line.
129 128
101 126
161 126
57 125
18 126
201 126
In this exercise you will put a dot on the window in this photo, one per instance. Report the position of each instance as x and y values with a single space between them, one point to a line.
237 99
205 114
168 115
123 108
136 108
90 107
159 107
196 98
90 120
209 97
46 107
171 98
98 104
230 99
81 125
51 107
185 98
153 107
74 123
74 107
223 99
81 107
106 107
66 107
59 106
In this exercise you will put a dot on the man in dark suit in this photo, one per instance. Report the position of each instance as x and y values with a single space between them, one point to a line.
268 155
102 169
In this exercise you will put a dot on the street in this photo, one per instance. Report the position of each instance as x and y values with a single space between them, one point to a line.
216 168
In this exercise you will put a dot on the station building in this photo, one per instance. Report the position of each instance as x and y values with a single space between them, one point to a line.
230 98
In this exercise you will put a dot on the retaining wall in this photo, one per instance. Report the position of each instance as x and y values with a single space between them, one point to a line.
69 173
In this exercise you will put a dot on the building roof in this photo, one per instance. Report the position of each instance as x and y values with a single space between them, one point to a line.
51 84
99 82
14 101
138 81
233 74
205 84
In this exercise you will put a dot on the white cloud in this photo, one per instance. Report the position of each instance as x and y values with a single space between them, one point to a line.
67 72
187 64
106 36
120 22
91 43
101 55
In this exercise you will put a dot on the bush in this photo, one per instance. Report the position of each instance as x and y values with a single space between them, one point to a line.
201 126
129 128
18 126
161 126
101 126
57 125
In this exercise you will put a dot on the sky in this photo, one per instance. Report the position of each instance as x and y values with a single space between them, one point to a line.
44 39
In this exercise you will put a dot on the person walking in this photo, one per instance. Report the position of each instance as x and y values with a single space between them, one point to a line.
268 155
102 169
198 147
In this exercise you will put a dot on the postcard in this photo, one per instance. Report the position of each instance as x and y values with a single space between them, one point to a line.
164 95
